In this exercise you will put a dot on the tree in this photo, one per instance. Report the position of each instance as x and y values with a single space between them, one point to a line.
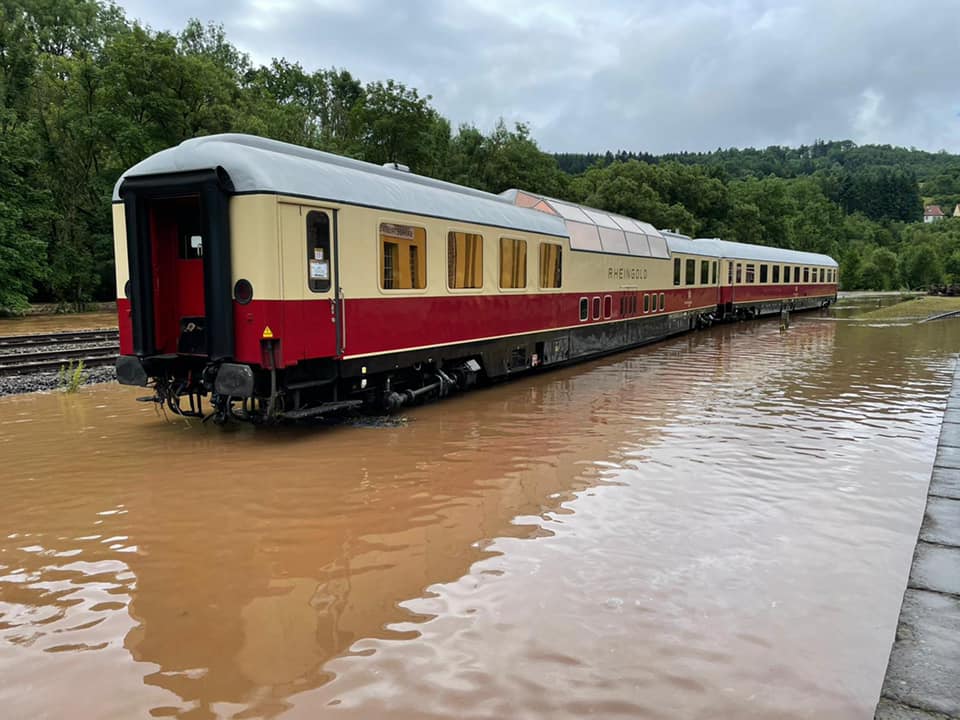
393 123
922 266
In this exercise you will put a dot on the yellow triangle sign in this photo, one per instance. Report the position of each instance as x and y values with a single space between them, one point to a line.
267 333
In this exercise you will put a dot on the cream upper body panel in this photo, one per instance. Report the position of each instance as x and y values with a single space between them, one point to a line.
122 266
360 259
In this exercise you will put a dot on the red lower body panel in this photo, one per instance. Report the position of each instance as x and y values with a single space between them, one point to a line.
304 329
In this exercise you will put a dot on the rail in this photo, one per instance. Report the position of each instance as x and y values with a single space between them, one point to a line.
24 354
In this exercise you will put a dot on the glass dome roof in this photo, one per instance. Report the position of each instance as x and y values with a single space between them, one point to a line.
597 230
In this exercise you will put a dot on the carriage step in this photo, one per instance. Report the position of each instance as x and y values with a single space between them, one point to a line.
321 409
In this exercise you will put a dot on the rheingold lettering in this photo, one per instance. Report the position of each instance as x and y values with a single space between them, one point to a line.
626 273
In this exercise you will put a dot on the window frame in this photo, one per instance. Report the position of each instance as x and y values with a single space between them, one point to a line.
426 265
596 307
312 249
584 305
775 274
663 302
483 249
676 271
526 275
646 303
764 273
690 272
559 247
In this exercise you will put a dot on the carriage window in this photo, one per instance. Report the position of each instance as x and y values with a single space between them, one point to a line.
806 274
551 268
318 251
704 272
607 306
584 309
729 273
513 263
676 271
464 260
822 271
776 274
596 308
739 273
763 273
714 274
690 276
404 254
663 301
751 275
796 273
646 303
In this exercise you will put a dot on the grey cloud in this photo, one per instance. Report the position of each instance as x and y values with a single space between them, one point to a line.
688 75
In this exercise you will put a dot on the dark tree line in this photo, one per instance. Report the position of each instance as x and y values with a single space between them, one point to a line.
85 93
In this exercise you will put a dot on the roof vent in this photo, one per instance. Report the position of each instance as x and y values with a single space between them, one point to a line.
397 166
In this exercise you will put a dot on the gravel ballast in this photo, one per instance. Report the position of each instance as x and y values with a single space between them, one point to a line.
36 382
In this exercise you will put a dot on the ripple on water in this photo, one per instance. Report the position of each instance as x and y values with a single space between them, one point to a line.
716 526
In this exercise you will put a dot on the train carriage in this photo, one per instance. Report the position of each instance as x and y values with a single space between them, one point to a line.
282 282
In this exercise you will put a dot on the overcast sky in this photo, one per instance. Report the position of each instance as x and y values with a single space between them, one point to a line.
647 75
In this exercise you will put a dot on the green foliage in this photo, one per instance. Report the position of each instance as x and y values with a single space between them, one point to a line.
70 377
392 123
85 93
502 160
922 266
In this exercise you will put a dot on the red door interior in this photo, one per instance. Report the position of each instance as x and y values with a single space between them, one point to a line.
178 296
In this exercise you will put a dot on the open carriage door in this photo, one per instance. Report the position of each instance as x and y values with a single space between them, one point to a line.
312 305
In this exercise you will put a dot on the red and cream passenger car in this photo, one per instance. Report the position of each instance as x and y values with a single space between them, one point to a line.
284 282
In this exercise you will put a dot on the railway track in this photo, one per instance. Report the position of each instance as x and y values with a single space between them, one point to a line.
25 354
8 342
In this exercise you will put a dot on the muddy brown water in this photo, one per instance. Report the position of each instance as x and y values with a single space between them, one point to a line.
30 325
718 526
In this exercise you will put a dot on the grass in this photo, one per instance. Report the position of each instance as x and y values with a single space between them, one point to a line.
70 377
921 307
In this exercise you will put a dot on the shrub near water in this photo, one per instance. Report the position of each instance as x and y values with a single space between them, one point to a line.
71 377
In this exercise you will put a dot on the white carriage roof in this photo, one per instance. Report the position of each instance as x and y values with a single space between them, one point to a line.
715 247
596 230
258 165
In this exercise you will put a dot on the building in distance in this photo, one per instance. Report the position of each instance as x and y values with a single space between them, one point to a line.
932 213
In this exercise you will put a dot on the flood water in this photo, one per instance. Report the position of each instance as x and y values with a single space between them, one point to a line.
718 526
32 324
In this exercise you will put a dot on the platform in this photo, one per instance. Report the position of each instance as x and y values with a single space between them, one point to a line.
923 673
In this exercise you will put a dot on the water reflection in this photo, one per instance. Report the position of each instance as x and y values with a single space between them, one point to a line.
709 514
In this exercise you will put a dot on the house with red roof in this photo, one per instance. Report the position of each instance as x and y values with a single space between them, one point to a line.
932 213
